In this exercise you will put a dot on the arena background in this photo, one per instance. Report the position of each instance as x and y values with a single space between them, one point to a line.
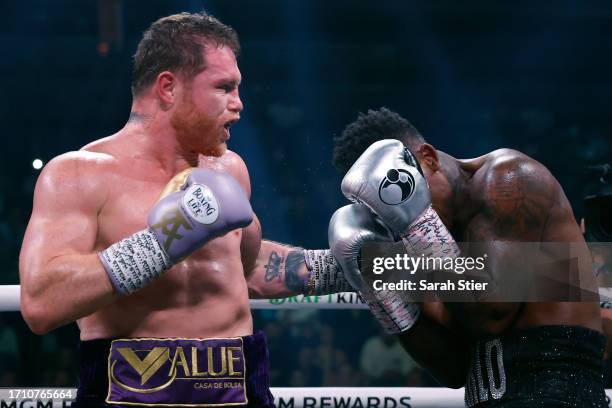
472 77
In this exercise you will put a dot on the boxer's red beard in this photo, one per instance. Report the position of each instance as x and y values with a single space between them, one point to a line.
197 132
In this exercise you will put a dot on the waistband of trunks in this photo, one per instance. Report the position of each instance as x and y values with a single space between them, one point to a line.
93 375
562 363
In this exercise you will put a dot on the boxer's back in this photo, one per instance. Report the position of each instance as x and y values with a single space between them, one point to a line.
205 295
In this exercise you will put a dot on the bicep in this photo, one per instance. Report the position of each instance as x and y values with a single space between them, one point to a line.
63 220
250 246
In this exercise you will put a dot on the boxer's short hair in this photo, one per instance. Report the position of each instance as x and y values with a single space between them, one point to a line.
369 128
174 43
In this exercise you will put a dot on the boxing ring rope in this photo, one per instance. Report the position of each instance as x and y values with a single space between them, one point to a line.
9 298
9 301
315 397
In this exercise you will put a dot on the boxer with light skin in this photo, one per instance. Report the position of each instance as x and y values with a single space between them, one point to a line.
547 353
125 240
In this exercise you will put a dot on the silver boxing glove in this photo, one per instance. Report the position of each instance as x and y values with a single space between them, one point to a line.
349 229
386 178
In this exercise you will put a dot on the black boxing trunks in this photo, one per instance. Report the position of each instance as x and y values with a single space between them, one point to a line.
157 372
547 366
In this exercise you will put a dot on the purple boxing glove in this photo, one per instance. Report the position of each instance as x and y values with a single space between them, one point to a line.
207 205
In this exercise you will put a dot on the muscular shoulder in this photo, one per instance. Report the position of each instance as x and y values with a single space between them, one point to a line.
507 167
79 176
234 165
516 193
233 159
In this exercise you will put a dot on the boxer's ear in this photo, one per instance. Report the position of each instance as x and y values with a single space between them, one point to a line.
428 157
165 88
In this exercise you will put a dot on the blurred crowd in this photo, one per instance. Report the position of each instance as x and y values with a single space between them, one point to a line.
307 349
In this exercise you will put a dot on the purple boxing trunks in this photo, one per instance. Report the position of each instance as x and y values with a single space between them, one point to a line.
177 372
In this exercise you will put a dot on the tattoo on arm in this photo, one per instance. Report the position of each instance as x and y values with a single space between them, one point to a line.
273 267
293 280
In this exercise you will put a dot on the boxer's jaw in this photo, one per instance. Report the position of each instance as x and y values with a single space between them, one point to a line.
195 130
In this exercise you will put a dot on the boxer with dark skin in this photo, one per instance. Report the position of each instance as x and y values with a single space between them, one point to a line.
501 196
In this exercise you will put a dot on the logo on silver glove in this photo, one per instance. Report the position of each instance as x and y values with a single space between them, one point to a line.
396 187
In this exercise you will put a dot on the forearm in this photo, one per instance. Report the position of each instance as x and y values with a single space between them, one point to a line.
66 288
280 271
283 271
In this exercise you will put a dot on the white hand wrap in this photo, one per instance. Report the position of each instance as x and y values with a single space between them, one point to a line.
325 274
134 261
426 236
429 236
392 311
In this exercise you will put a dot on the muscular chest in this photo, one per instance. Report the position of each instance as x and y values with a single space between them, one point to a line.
126 210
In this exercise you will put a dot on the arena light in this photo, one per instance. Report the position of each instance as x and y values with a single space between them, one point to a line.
37 164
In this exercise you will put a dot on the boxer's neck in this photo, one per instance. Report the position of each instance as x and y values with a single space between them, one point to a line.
155 139
454 200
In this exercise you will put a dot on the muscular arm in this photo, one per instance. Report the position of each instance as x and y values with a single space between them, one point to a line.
61 276
272 270
278 271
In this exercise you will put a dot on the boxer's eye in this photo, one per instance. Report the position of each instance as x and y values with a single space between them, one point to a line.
226 87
